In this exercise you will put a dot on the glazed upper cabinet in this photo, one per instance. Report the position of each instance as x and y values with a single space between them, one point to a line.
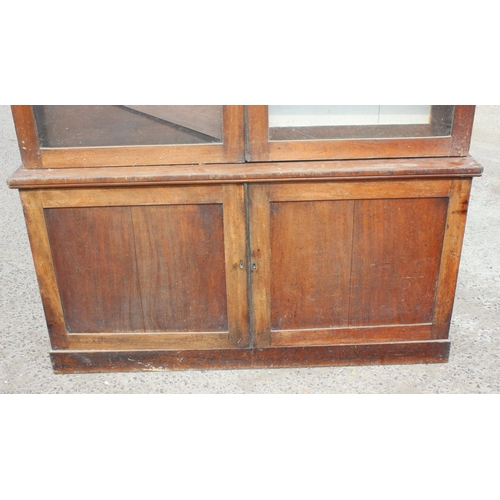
103 136
278 133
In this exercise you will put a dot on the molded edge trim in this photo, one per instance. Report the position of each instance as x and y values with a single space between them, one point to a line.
245 172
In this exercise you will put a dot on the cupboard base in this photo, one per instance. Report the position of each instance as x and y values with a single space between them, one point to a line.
394 353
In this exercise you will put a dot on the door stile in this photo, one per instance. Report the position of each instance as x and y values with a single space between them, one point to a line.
260 263
236 264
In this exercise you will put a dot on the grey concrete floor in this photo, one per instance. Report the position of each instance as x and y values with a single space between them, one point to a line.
475 329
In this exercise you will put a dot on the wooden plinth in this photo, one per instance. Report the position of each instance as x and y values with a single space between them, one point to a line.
393 353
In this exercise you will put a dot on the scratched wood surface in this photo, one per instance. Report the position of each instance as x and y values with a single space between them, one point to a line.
274 357
256 172
395 260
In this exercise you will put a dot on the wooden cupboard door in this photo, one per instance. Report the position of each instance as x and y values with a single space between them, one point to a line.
346 261
149 267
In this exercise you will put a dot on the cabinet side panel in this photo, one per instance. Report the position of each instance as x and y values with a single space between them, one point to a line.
310 261
94 258
396 253
180 255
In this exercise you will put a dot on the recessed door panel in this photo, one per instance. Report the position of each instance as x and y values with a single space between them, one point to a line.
180 257
95 263
310 264
396 253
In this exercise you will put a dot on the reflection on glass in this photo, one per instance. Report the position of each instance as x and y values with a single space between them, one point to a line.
97 126
296 123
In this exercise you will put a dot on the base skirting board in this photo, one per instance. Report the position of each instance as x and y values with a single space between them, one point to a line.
67 361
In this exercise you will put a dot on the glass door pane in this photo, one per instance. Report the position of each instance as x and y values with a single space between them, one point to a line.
305 123
100 126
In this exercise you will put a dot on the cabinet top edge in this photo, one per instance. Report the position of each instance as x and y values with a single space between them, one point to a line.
25 178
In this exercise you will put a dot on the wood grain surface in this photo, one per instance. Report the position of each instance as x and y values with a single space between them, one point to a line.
363 334
452 249
235 251
395 260
311 263
44 267
180 264
95 261
260 263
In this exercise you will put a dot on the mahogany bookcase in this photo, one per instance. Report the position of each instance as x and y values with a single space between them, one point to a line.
210 237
